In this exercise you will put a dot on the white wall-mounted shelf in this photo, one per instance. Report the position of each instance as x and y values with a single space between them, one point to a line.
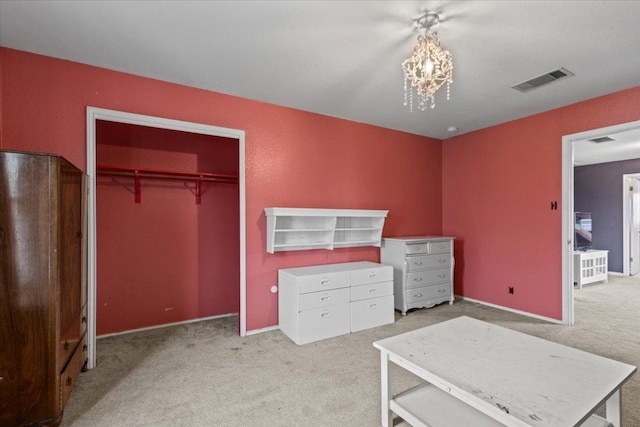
296 229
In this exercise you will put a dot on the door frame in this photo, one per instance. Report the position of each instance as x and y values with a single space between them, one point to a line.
567 209
93 114
626 244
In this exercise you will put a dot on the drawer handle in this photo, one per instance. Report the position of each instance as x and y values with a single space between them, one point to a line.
417 279
66 346
417 263
373 305
372 290
327 314
417 295
325 298
442 260
69 381
442 275
325 282
373 275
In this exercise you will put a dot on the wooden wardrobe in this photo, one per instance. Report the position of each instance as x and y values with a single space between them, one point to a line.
43 311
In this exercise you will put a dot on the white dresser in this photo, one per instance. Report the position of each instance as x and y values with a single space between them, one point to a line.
422 270
325 301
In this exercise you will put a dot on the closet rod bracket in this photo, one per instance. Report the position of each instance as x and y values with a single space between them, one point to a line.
198 191
138 187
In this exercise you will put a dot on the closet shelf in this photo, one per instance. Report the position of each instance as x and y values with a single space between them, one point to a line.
139 173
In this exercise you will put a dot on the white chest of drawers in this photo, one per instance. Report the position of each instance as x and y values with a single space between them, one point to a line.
422 270
325 301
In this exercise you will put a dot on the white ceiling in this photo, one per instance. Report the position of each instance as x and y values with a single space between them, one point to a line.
342 58
626 146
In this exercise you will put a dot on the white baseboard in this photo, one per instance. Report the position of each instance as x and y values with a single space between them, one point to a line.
615 273
166 325
513 310
259 331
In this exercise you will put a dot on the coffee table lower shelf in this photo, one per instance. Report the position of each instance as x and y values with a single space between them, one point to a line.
428 406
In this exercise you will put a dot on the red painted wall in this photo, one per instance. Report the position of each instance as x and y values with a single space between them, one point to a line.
166 259
497 187
293 158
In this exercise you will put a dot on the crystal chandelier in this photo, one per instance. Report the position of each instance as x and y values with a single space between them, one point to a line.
429 67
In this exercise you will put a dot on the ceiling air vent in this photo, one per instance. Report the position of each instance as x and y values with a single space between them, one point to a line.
542 80
601 139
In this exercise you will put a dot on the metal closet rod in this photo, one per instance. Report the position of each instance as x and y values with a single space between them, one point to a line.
164 174
139 173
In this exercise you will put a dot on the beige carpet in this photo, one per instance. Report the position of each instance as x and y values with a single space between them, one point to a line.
204 374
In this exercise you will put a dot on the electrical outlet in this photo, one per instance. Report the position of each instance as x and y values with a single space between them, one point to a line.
510 289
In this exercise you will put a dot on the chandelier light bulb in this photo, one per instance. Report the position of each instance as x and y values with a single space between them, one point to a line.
428 67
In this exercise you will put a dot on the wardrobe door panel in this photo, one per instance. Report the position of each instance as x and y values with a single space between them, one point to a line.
27 295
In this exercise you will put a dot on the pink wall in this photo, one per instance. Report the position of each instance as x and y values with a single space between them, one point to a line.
497 187
293 158
166 259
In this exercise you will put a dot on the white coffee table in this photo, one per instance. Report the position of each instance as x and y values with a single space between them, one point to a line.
479 374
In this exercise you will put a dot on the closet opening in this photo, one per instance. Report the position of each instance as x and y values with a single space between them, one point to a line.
166 223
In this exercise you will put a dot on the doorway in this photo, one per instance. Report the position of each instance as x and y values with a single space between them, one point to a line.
631 224
568 207
95 114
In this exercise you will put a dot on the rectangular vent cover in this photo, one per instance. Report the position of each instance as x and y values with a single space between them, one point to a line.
601 139
543 80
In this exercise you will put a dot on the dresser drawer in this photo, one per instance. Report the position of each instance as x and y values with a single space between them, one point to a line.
371 313
371 291
70 337
439 247
323 282
415 263
66 346
323 298
428 277
321 323
428 292
416 248
373 275
70 373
